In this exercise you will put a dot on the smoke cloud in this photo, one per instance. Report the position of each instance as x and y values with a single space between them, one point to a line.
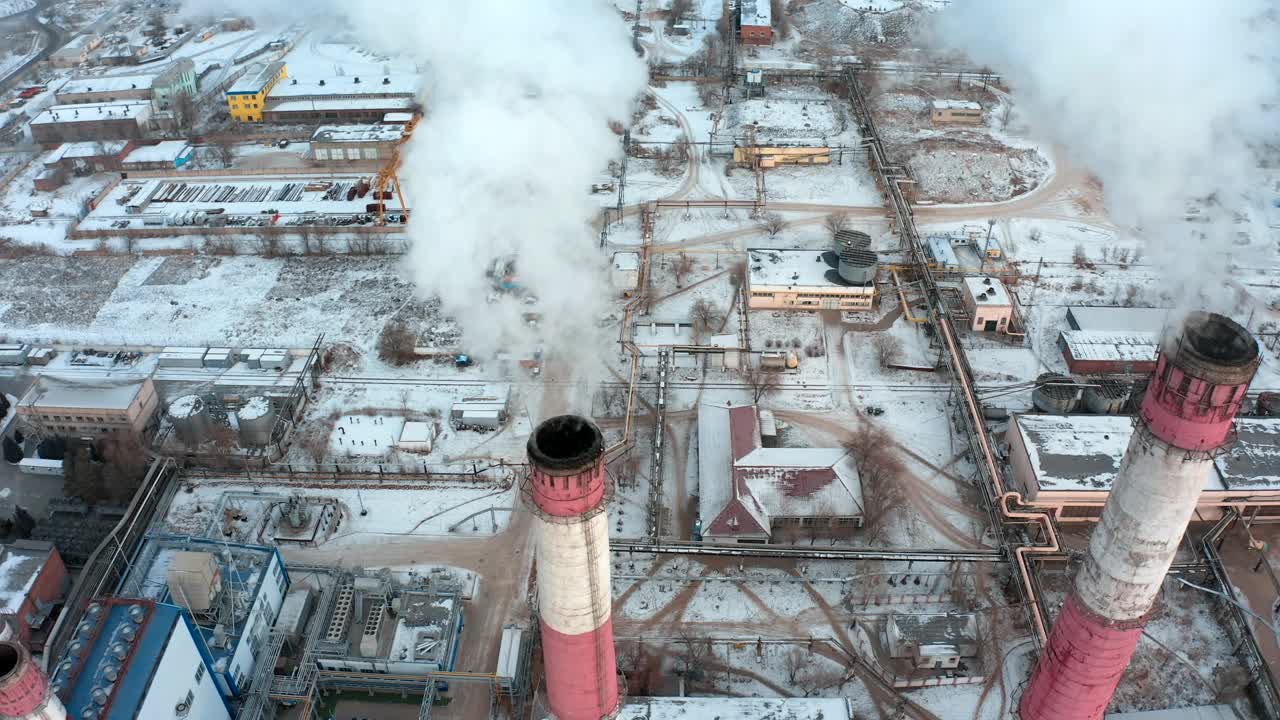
1165 102
518 99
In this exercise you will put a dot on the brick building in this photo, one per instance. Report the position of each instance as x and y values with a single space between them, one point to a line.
756 22
93 121
90 409
33 580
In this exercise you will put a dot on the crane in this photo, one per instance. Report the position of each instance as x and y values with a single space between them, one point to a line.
389 174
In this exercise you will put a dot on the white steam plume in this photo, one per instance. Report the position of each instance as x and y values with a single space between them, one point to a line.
1164 101
519 97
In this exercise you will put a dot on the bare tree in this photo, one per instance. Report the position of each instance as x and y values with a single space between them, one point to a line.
1079 257
695 651
219 245
772 223
360 245
396 343
836 222
705 319
1131 294
681 268
763 383
224 151
185 111
795 662
269 242
888 348
128 242
880 470
679 8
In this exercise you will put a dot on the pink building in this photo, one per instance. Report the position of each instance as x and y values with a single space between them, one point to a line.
988 302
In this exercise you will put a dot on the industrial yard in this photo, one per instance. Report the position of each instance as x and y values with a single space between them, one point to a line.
667 360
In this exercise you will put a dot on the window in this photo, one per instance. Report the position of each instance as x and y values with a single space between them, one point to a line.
199 673
371 153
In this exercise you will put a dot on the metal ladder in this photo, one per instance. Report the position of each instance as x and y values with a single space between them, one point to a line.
597 614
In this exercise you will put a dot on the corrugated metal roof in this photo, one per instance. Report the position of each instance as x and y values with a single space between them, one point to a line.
1132 346
1117 319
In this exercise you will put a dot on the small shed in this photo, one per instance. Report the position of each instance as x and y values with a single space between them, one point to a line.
933 641
417 437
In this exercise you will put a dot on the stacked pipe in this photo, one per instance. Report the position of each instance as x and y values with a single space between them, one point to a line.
1186 417
24 690
567 492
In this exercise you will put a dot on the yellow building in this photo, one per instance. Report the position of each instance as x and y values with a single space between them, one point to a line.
775 156
248 97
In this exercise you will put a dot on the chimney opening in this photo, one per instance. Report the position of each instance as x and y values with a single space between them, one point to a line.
10 659
1220 339
565 442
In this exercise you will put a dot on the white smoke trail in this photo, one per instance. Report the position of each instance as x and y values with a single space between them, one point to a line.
518 97
1165 102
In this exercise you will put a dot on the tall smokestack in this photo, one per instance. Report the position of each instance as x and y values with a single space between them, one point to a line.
24 689
1186 416
567 493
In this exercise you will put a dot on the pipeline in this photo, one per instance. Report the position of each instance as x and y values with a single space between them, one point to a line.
786 551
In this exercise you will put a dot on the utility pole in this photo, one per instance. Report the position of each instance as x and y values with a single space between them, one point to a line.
982 265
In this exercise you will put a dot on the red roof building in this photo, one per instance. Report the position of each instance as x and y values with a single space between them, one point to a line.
32 581
748 493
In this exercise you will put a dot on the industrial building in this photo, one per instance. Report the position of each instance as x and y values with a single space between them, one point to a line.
33 580
988 303
232 593
947 112
345 144
1069 463
1186 418
626 272
1101 352
342 99
137 658
165 155
932 642
247 97
1116 318
66 406
79 159
566 491
749 493
25 691
755 22
178 78
92 121
105 89
773 156
811 279
76 51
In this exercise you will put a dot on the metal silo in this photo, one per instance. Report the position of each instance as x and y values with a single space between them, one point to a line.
850 239
1056 394
190 417
858 266
257 419
1108 397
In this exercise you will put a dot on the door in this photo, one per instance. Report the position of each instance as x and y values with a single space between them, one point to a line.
991 326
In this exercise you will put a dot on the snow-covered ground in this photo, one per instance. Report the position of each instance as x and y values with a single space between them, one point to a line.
13 7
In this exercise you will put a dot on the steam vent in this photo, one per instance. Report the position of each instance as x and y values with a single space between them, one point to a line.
567 494
1200 380
24 689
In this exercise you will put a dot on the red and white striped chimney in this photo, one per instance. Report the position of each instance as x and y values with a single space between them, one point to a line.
1186 416
575 601
24 690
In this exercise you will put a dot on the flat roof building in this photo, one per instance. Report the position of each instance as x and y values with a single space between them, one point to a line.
1090 352
136 658
105 89
345 144
749 492
92 121
802 280
988 303
247 97
33 579
165 155
89 408
756 22
955 111
1067 464
933 641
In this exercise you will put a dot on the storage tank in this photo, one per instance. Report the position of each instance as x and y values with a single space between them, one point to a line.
257 419
190 417
851 239
1056 394
858 266
1108 397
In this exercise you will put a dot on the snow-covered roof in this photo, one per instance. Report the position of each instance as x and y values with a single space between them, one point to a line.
50 391
757 13
256 79
1204 712
73 150
987 291
626 261
955 105
370 103
723 708
298 87
738 477
1133 347
358 133
93 112
166 151
254 408
397 117
417 432
1117 319
1083 452
107 84
769 267
20 565
941 250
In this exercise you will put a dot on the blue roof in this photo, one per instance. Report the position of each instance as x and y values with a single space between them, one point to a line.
142 655
940 249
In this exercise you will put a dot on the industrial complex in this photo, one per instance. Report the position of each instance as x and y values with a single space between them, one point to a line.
646 360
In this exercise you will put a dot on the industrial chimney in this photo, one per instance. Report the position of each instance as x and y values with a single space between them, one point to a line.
567 494
24 689
1200 380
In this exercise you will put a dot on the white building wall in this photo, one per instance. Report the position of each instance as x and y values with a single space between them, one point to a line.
175 676
263 616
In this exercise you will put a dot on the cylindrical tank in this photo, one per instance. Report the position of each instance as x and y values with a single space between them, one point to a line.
190 417
24 689
850 239
1185 418
257 419
858 266
567 494
1108 397
1055 393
